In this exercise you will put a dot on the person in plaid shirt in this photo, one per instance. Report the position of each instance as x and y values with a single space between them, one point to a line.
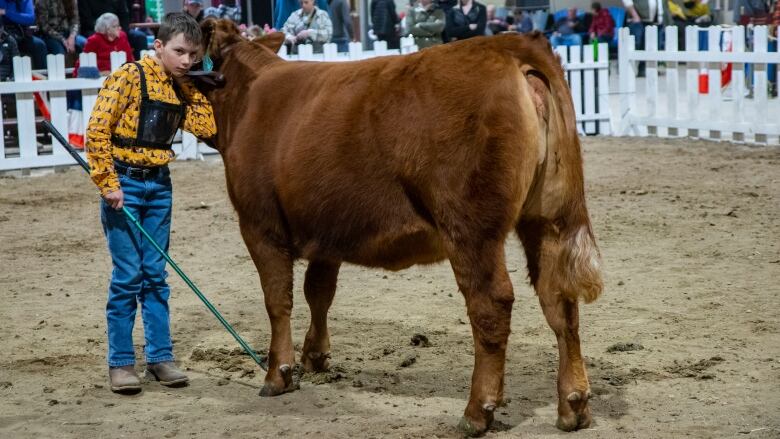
308 25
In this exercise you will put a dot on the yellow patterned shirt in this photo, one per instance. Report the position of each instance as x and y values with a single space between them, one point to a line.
116 111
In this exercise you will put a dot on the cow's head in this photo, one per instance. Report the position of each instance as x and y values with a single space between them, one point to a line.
220 35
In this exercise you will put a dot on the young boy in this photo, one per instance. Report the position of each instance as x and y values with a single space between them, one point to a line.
129 136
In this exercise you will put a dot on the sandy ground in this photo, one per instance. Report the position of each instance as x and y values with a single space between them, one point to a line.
689 234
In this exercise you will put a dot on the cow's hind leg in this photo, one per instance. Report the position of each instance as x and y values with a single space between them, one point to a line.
480 271
543 245
275 267
319 288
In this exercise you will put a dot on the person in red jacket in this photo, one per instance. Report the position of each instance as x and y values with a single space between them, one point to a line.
108 37
603 26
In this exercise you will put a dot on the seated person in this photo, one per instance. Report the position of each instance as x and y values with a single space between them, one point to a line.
108 37
227 9
567 30
58 26
17 17
521 22
495 24
308 25
602 28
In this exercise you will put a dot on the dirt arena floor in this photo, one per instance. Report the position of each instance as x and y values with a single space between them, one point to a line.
685 341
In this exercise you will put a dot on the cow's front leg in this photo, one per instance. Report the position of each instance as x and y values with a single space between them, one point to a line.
319 288
275 267
480 271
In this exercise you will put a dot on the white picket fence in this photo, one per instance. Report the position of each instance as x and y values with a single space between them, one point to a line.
674 107
588 77
588 81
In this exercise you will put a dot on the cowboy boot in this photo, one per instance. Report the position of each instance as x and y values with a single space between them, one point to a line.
124 380
167 374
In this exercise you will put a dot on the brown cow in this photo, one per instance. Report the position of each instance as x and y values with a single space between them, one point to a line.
405 160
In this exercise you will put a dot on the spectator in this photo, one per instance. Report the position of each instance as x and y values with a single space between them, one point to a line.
751 11
58 26
426 23
521 22
108 37
466 20
284 8
688 12
18 16
227 9
602 28
90 10
342 24
385 22
8 50
495 25
308 25
567 30
639 14
195 9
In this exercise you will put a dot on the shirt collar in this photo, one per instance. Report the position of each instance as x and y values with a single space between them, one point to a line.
148 61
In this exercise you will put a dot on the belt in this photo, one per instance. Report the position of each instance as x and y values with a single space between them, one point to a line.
138 172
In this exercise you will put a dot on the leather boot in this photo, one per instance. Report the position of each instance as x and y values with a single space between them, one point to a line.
124 380
167 374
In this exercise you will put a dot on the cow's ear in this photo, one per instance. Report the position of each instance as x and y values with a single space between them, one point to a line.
272 41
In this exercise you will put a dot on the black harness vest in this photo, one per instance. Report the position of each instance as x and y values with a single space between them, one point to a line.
157 121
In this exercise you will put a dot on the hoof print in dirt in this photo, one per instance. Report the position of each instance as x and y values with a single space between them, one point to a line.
408 360
420 340
625 347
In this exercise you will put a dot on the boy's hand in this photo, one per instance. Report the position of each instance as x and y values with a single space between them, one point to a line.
115 199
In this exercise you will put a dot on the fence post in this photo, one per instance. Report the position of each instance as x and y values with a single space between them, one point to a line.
330 52
25 110
760 35
603 86
58 106
590 88
738 80
355 50
305 52
380 47
117 60
651 74
714 81
672 80
89 96
627 79
692 75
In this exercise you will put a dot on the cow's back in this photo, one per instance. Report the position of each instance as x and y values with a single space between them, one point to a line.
363 161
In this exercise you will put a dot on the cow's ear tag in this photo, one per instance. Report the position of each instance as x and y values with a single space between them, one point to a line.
208 64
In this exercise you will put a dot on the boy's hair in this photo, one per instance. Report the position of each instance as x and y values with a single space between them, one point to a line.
596 6
176 23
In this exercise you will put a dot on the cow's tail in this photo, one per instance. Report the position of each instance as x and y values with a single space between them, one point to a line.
562 197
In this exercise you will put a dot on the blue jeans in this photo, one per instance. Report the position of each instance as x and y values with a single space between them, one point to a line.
566 40
35 48
342 44
139 270
55 46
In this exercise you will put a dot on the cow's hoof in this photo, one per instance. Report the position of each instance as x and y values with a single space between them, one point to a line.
288 384
316 361
470 428
578 413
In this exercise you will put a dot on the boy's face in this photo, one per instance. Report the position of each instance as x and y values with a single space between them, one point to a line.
177 55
